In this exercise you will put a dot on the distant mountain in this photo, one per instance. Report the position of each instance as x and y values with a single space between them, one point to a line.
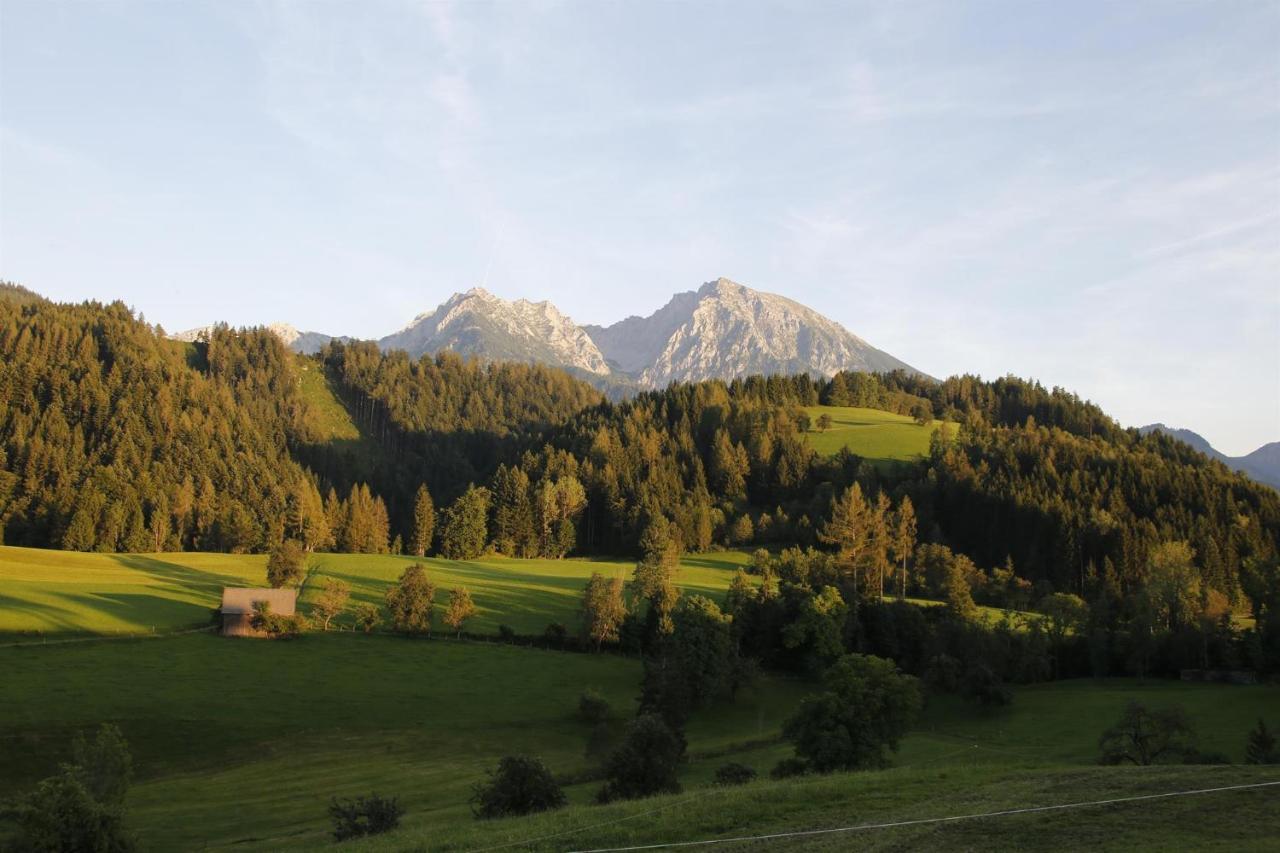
725 330
308 343
479 323
1262 464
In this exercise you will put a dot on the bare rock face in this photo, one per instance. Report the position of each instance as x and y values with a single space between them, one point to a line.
725 330
720 331
479 323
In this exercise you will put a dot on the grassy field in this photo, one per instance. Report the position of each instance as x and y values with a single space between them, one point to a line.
64 593
1236 821
241 743
878 436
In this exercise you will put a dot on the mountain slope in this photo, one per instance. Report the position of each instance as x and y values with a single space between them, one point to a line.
725 330
1262 464
481 324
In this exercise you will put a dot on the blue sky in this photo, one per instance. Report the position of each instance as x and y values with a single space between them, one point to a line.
1086 194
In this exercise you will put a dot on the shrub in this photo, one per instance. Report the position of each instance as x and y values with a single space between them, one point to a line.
734 773
943 674
506 633
362 816
555 634
284 566
788 768
367 617
275 625
592 707
1261 746
82 808
521 786
983 684
646 762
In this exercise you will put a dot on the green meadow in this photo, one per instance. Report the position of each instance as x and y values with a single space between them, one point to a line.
64 593
878 436
239 744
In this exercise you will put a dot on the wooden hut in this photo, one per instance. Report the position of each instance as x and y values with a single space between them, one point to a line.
237 608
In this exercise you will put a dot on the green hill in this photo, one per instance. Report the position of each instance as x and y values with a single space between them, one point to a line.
57 593
870 433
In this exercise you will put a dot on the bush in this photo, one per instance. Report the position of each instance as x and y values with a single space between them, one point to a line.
284 566
521 786
943 674
592 707
788 768
1260 748
82 808
362 816
734 773
506 633
646 762
983 685
555 634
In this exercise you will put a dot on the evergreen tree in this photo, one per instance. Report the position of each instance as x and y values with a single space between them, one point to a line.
654 579
424 522
465 532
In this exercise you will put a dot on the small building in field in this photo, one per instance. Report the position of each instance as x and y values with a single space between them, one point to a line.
237 608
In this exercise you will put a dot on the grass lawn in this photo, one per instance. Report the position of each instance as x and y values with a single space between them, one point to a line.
877 436
65 593
242 742
1242 820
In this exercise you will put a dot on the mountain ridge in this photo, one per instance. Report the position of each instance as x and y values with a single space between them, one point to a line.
722 330
1263 464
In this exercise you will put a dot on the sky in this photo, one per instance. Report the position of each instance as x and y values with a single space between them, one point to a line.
1084 194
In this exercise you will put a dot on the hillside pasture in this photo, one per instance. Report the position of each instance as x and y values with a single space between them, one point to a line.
875 435
240 744
66 593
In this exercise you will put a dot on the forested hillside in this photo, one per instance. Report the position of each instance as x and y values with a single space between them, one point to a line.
114 438
111 440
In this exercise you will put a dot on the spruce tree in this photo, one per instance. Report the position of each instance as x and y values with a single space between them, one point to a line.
424 522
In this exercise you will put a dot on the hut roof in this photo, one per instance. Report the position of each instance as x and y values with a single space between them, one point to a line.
240 600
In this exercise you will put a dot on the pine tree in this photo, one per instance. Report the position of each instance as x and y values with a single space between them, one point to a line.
424 522
655 575
851 529
1261 747
903 544
465 531
512 512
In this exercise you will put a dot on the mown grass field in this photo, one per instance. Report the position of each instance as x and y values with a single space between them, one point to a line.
881 437
240 743
65 593
1243 820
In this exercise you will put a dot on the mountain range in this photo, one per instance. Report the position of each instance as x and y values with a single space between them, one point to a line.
1262 464
722 330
